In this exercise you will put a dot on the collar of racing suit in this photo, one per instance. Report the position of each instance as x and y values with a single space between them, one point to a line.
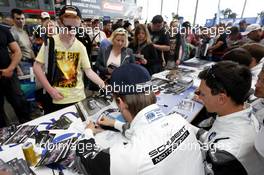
238 117
247 111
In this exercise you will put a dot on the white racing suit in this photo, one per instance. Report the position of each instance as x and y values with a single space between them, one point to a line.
259 142
153 144
258 109
231 142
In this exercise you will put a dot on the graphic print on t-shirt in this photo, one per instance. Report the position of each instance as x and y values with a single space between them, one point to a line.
67 63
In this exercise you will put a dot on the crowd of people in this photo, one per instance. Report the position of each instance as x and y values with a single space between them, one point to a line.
152 142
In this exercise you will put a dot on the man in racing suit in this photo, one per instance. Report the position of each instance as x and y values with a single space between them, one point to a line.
150 143
258 105
258 108
223 90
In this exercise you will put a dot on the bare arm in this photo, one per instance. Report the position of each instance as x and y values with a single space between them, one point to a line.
15 59
94 77
162 47
37 68
216 46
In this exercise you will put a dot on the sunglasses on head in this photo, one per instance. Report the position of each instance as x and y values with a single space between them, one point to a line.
210 72
211 76
121 30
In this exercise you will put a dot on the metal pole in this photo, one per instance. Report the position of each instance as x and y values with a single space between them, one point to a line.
161 7
178 5
218 13
245 3
195 13
147 9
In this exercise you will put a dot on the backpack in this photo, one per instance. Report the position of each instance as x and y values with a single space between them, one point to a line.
50 60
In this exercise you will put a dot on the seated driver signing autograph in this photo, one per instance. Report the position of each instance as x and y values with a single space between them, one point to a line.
150 143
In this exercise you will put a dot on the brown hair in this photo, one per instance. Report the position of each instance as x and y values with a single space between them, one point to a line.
137 102
256 50
141 27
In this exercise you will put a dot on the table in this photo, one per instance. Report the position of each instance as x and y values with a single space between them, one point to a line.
169 104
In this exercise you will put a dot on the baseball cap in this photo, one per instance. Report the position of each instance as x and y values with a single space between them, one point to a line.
251 28
157 19
130 79
95 20
44 15
70 9
242 22
127 24
186 24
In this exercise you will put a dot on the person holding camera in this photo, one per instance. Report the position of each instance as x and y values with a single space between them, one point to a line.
145 52
114 55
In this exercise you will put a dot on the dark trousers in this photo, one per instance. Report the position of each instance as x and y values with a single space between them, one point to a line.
10 88
154 68
50 107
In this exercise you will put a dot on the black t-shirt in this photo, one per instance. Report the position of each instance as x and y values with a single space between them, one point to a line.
150 54
161 38
222 38
5 39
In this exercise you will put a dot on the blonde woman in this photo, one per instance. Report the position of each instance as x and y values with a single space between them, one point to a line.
114 55
144 50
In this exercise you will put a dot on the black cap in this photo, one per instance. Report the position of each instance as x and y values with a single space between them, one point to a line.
130 79
95 20
186 24
87 20
71 10
243 21
157 19
127 24
234 30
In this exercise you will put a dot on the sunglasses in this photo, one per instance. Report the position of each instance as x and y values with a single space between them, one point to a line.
70 28
20 18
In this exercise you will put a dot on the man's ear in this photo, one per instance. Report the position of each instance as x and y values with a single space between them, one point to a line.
222 98
253 62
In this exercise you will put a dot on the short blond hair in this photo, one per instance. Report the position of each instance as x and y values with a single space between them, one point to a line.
119 31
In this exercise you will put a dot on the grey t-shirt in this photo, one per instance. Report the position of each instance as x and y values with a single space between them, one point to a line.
23 41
